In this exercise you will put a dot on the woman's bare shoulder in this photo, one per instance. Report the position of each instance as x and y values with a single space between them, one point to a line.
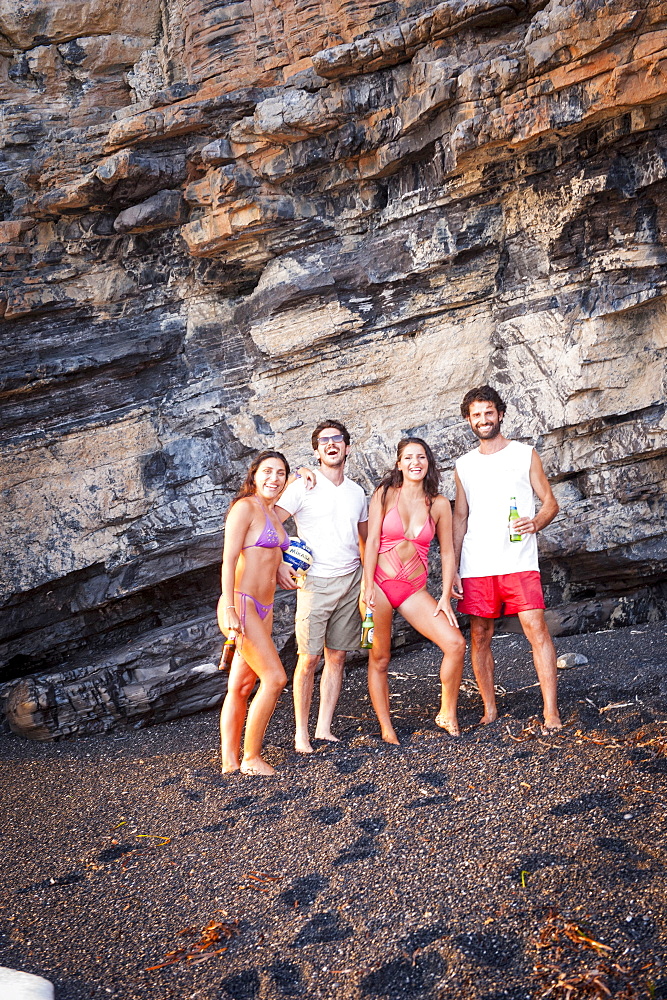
440 504
242 510
246 503
391 492
383 499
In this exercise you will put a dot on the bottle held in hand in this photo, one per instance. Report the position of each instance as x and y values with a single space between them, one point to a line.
367 630
228 651
515 536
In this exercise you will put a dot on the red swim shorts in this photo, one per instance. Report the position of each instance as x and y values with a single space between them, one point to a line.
485 596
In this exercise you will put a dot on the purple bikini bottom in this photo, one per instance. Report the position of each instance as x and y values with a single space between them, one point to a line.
261 609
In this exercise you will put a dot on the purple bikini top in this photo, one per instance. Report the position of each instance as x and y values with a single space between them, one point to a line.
268 538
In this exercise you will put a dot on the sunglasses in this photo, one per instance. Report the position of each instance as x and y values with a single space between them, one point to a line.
337 438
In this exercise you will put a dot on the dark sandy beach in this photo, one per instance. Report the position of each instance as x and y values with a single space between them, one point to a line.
502 865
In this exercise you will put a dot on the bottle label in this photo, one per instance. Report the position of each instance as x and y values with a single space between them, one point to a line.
369 637
515 536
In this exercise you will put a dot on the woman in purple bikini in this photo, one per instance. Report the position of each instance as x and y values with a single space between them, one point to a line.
254 543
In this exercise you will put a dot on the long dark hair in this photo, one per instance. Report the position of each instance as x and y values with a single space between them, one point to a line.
394 477
248 488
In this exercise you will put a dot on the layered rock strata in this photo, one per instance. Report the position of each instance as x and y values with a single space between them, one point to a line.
239 218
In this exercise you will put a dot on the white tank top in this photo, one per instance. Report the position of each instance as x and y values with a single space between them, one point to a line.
490 481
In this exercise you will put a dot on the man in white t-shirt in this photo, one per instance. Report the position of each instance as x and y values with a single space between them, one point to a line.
332 519
499 575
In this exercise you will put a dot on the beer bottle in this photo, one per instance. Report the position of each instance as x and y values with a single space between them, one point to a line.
367 630
228 651
515 536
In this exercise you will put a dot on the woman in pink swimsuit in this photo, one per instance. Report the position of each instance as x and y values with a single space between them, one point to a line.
254 543
406 512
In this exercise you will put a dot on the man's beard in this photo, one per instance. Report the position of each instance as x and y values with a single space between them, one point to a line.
333 461
488 434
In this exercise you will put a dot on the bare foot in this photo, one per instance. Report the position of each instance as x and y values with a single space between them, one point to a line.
256 765
450 726
389 736
551 725
326 735
229 768
303 746
487 718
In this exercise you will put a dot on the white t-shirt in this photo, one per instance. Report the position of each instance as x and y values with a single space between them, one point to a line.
327 519
489 482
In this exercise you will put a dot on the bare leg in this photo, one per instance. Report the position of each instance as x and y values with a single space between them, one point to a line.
481 634
232 716
262 657
378 664
418 611
544 657
330 685
261 709
302 690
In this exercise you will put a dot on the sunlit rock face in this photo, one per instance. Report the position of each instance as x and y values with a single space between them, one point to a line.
224 221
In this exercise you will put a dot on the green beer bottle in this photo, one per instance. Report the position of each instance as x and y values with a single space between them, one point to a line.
515 536
367 631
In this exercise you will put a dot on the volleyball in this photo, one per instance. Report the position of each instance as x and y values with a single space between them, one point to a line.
298 556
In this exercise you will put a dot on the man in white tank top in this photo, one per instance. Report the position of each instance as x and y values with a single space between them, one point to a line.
499 575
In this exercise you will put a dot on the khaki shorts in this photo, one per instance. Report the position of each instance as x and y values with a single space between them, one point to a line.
327 613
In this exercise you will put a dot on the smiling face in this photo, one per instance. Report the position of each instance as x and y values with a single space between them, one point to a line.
331 452
413 463
484 420
270 479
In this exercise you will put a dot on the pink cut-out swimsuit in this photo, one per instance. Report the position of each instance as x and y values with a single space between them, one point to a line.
399 587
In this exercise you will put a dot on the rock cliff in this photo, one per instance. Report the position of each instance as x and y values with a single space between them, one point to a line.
223 221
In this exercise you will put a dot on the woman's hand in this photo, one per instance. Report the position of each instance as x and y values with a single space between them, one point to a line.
228 619
368 596
445 607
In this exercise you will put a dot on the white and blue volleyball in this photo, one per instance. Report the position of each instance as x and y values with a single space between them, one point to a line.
298 556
